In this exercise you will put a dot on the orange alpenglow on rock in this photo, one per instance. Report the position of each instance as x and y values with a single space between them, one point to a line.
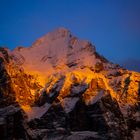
36 70
65 88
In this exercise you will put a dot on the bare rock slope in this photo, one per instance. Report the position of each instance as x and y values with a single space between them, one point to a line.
65 90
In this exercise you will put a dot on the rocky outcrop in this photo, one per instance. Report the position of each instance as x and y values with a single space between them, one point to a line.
7 94
12 123
104 118
60 88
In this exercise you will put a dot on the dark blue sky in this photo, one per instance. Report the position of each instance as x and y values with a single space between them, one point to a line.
112 25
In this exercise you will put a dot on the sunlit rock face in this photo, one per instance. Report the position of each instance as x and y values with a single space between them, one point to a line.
68 91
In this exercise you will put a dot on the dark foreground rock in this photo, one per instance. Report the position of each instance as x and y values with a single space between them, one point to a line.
101 120
12 124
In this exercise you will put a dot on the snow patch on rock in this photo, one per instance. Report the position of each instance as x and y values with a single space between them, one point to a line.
69 103
36 112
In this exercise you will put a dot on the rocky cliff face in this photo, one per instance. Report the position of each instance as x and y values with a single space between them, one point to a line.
62 89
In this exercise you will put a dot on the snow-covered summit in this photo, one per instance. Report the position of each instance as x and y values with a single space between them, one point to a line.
56 34
57 51
67 86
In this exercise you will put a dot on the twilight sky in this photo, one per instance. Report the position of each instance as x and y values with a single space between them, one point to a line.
112 25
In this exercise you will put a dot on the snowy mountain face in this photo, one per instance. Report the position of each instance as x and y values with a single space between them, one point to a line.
61 88
56 53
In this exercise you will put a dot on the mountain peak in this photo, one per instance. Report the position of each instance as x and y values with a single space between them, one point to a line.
58 33
61 30
60 78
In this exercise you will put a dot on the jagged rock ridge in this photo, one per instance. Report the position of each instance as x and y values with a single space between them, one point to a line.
66 90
